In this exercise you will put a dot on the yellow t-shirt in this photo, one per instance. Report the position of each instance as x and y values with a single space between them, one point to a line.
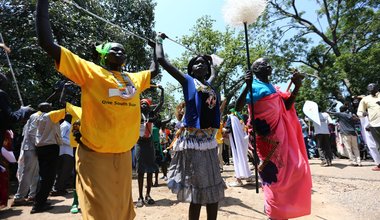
56 115
76 113
110 123
219 134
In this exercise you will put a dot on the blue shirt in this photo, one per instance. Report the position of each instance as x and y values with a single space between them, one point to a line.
260 89
194 93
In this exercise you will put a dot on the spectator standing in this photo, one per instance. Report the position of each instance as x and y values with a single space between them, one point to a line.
48 140
66 159
322 137
7 118
239 148
370 106
28 170
347 131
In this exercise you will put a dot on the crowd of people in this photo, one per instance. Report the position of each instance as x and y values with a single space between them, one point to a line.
350 133
97 147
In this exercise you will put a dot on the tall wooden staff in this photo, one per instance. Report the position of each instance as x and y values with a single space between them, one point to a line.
246 12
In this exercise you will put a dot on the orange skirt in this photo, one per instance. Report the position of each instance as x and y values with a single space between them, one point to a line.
104 184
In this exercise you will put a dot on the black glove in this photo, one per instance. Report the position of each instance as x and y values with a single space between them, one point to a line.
261 127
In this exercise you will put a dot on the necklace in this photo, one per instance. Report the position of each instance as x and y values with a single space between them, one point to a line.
127 90
202 87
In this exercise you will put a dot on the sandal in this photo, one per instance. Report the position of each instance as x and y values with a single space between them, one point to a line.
74 209
140 202
235 184
149 200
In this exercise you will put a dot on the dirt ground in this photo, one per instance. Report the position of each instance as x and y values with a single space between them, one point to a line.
340 192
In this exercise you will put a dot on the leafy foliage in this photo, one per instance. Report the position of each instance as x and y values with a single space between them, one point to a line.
227 45
337 46
74 29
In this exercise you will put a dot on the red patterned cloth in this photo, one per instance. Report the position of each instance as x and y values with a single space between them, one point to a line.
286 178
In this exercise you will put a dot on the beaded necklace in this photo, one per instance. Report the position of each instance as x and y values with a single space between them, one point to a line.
127 91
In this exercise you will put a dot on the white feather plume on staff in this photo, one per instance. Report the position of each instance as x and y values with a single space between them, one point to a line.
246 12
243 11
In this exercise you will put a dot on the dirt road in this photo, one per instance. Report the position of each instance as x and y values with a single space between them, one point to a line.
340 192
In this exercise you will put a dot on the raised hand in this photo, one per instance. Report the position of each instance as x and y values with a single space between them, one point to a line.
297 78
248 77
7 49
162 35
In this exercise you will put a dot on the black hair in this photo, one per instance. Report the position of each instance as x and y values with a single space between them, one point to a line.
343 108
192 61
45 107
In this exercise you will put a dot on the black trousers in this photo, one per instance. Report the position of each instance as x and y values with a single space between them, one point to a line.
47 161
226 154
324 147
64 171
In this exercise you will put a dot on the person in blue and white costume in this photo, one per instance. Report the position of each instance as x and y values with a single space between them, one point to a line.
194 170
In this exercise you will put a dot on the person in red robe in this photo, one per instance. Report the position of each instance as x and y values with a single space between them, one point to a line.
284 168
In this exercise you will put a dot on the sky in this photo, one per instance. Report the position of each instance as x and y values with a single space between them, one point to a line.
176 18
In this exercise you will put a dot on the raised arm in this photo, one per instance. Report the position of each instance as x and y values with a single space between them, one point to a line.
297 81
173 71
159 105
154 65
44 32
214 73
240 102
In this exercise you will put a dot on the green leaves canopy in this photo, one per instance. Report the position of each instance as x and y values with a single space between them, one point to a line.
75 30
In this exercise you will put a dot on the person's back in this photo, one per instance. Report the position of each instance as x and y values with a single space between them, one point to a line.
28 164
346 122
348 134
325 120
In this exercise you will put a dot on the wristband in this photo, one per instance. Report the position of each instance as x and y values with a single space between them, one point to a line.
159 40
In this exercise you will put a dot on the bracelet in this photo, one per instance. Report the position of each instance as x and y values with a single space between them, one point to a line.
159 40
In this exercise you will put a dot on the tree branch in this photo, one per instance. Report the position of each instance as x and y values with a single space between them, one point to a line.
307 24
307 64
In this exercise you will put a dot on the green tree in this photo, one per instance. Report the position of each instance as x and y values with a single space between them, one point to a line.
337 45
229 45
74 29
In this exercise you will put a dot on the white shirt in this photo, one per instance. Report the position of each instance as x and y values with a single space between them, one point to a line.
65 147
368 104
29 133
325 121
48 132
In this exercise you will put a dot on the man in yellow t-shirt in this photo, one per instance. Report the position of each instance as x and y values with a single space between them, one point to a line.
109 123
